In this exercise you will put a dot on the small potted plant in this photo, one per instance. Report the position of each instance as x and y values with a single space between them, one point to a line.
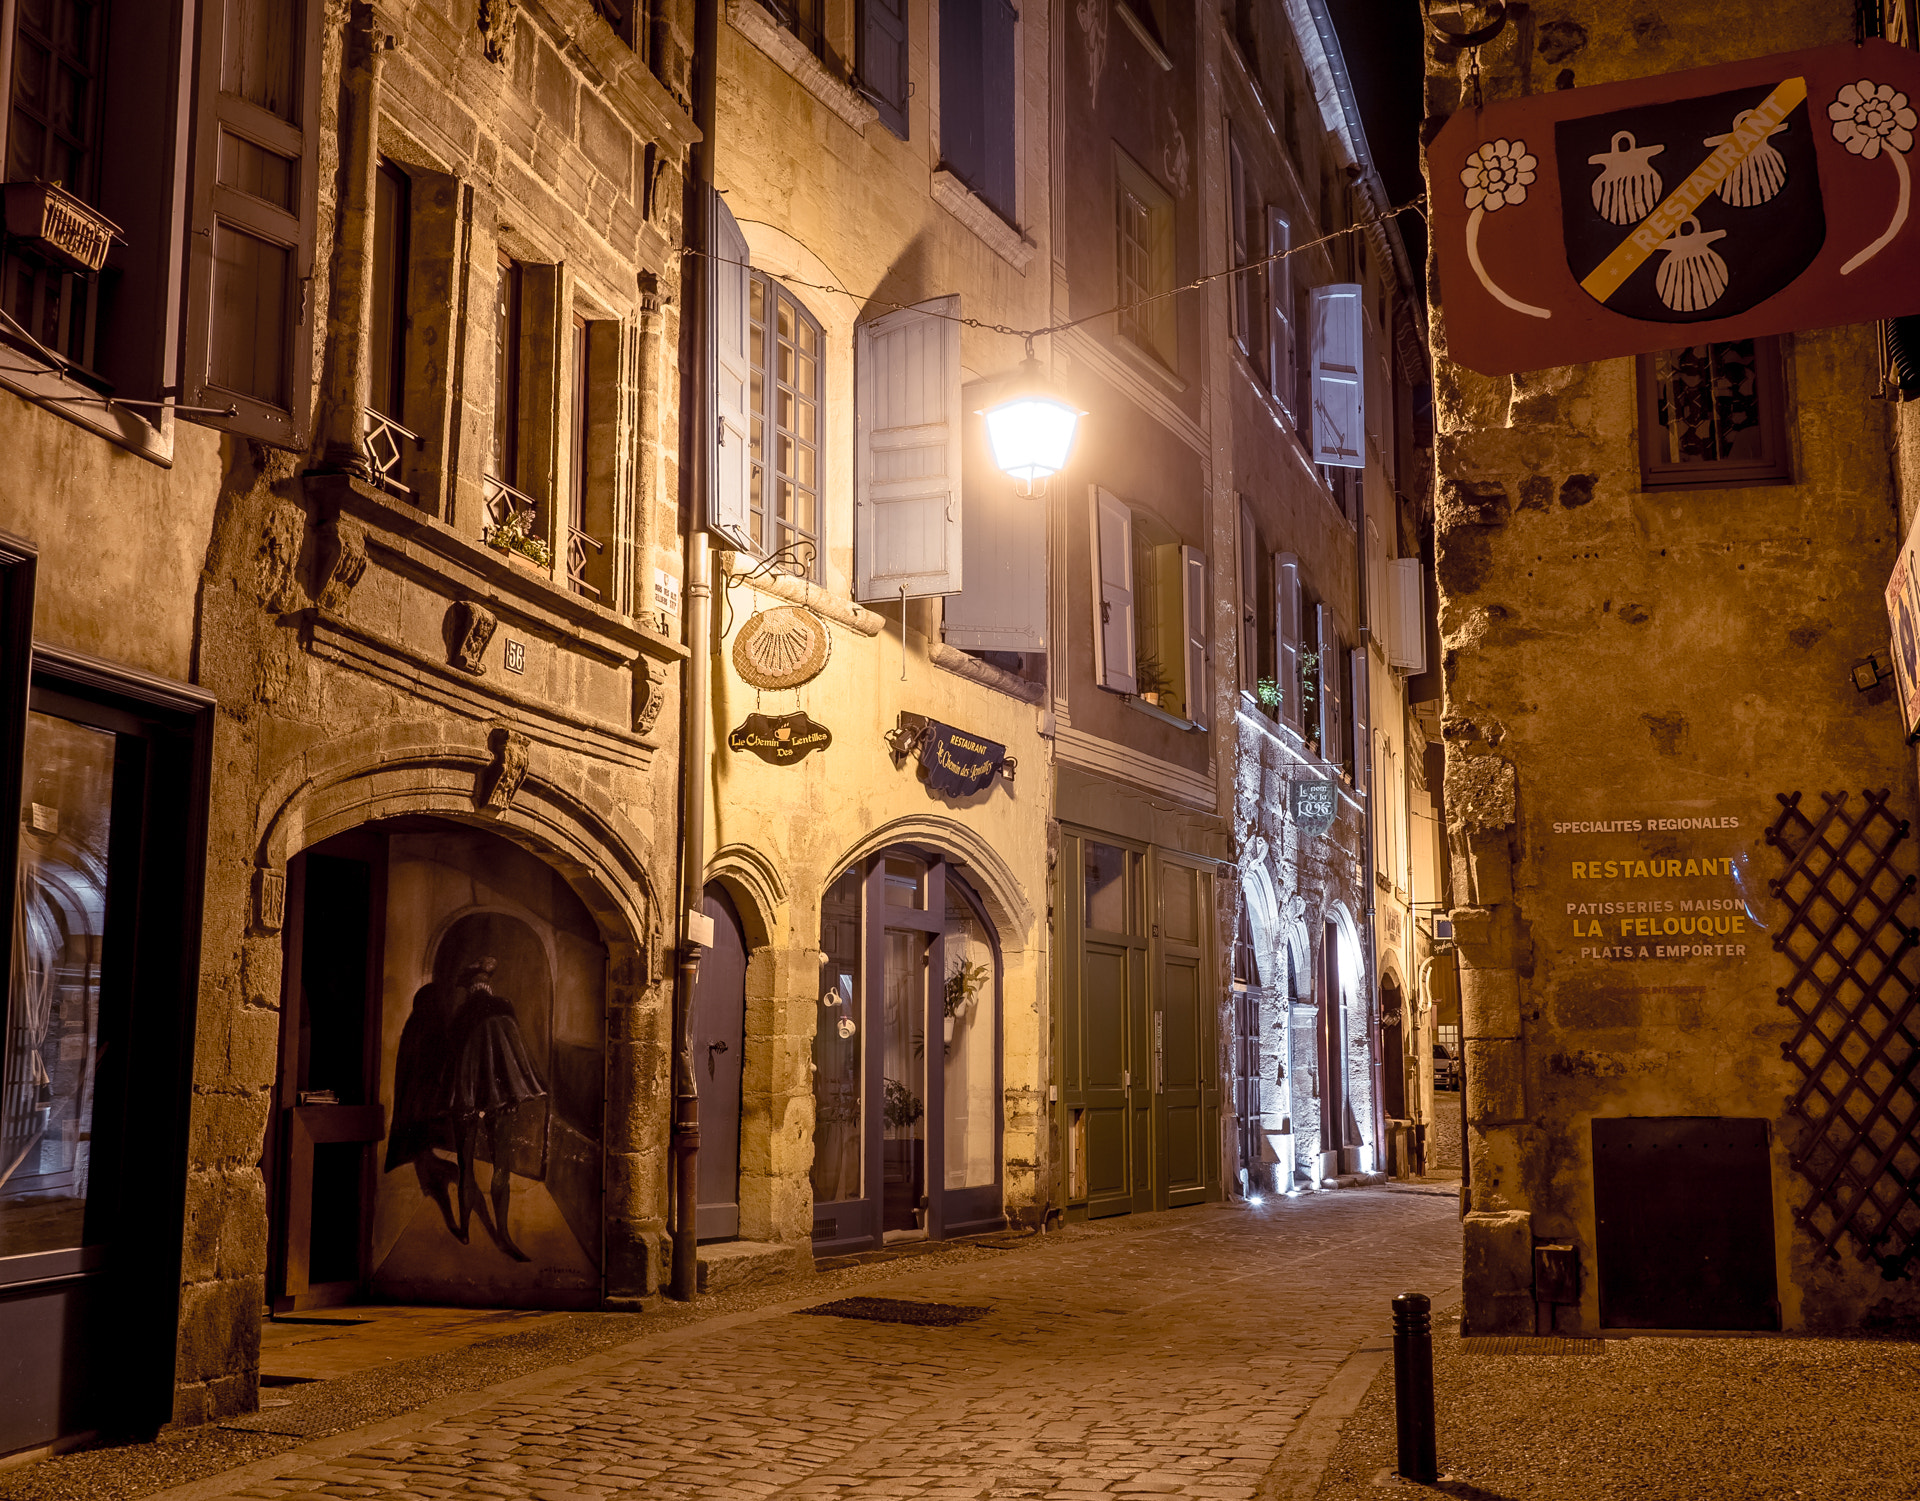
964 983
1150 679
513 538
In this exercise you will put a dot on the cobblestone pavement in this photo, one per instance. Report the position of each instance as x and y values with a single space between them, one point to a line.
1167 1355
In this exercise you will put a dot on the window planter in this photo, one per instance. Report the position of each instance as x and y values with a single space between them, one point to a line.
59 225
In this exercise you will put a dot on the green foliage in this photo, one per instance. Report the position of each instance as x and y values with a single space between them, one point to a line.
902 1107
513 536
1267 691
1149 676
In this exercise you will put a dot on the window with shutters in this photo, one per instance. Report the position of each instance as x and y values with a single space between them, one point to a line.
1282 377
978 99
786 421
85 107
1143 249
1000 612
250 313
1237 196
806 19
387 438
880 60
509 293
1151 616
1713 415
1337 344
524 470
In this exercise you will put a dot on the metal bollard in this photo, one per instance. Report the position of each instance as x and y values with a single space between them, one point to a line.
1413 1385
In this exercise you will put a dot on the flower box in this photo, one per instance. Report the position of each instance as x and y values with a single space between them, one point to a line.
59 225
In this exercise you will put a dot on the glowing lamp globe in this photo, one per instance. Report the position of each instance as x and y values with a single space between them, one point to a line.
1030 429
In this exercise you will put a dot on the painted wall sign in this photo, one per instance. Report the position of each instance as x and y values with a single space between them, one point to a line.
1656 885
1721 203
1315 806
1903 616
780 739
956 762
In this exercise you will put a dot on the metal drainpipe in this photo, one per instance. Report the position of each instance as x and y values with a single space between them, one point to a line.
685 1135
1370 966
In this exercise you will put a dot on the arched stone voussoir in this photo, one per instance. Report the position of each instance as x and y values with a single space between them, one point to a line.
986 870
758 889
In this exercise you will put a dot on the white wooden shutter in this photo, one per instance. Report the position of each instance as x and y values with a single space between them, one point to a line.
730 454
1193 615
906 453
1281 380
1362 721
250 304
1407 646
1237 241
1286 616
1249 650
1003 604
1339 438
1112 550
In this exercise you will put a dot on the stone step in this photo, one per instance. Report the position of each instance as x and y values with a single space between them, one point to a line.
727 1264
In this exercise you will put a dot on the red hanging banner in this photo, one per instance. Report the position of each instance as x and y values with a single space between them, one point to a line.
1750 198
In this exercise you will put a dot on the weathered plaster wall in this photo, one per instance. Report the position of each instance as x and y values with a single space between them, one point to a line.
1614 652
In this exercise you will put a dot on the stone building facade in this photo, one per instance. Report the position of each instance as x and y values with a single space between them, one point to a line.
377 585
1648 644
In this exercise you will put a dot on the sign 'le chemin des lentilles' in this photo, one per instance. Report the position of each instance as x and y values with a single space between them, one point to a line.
1721 203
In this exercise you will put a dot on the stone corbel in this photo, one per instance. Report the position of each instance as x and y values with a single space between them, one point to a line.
512 753
649 695
470 628
345 541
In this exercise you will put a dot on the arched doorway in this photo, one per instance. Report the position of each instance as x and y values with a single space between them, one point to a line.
438 1123
907 1139
1394 1041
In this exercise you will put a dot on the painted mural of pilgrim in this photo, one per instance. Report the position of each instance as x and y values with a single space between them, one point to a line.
462 1079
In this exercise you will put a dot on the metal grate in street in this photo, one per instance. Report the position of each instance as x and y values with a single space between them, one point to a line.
899 1311
1531 1344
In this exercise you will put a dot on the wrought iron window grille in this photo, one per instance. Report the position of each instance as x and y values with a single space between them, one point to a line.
382 438
577 544
514 517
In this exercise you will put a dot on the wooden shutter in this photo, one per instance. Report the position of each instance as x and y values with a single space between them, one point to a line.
882 60
250 305
1193 614
999 73
1286 590
1326 647
1280 369
1407 645
906 451
1362 720
1237 241
1249 615
729 445
1338 407
1003 548
1112 550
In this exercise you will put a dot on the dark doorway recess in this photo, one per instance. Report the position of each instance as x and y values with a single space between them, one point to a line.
719 1041
1684 1206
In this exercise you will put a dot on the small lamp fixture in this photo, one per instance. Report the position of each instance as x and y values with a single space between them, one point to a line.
1030 429
1868 674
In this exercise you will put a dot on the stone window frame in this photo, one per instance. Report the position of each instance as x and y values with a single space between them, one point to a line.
1774 467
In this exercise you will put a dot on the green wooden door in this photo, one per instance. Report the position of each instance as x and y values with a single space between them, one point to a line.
1185 1088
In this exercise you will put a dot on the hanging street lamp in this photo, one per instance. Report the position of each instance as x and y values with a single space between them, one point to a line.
1030 429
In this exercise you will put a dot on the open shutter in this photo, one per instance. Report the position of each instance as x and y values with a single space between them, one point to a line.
729 445
1338 410
1326 647
1003 548
1407 645
1249 614
1280 374
906 453
1362 721
882 60
250 303
1286 615
1243 330
1112 592
1193 613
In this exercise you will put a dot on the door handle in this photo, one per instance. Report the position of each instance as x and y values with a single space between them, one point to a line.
712 1048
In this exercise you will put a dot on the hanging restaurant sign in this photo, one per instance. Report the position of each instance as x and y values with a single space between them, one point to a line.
782 648
1722 203
780 739
954 762
1315 805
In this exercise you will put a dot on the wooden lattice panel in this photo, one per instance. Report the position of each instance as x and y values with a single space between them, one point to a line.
1850 937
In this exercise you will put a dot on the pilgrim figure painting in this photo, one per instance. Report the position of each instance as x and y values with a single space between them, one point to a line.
493 1056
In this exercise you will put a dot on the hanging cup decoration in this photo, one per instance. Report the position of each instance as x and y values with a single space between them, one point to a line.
1749 198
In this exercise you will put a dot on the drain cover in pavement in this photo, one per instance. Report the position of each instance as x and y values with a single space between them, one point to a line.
1531 1344
898 1311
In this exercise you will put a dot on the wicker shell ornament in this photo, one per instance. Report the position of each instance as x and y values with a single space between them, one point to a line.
782 648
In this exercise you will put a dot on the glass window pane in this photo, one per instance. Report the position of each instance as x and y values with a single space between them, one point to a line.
53 1037
1106 877
903 1063
906 883
836 1047
784 414
805 376
967 1025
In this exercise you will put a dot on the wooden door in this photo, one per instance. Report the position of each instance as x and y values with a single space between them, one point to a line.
719 1042
1331 1045
1182 1064
1106 1073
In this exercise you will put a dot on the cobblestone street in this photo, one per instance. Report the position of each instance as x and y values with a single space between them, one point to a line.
1168 1355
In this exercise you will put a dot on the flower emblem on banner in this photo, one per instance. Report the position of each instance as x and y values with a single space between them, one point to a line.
1497 174
1871 120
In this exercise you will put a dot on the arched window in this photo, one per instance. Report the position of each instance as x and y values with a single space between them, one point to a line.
907 1139
786 351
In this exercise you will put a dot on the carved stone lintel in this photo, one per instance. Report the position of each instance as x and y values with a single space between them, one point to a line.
470 627
277 564
346 562
650 696
512 752
269 898
496 29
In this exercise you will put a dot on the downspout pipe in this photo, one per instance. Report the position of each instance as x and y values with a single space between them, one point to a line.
684 1138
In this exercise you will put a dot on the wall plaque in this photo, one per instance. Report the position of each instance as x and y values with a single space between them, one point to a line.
1654 885
1315 806
780 739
